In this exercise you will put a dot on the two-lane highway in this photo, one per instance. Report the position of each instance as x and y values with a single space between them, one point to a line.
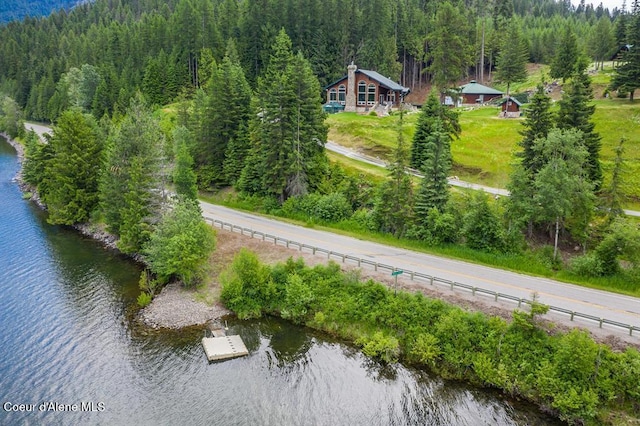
601 304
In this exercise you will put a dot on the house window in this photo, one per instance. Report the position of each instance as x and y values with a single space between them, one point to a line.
391 97
342 94
371 94
362 93
333 95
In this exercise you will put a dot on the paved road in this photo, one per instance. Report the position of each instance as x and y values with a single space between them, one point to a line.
332 146
601 304
38 128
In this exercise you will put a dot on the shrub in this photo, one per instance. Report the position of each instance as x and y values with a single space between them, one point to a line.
588 265
144 299
332 208
386 348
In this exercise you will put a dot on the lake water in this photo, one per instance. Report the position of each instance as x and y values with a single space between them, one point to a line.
69 337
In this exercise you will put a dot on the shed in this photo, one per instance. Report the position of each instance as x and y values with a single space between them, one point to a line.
476 93
510 107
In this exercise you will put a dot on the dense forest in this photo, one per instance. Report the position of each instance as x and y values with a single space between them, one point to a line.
13 10
167 47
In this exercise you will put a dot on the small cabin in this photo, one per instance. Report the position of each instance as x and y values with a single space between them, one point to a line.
510 107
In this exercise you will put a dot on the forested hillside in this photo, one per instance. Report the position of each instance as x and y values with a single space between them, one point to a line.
164 47
11 10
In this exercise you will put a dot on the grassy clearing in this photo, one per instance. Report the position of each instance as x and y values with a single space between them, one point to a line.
485 151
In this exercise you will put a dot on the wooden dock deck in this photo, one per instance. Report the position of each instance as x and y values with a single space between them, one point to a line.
221 346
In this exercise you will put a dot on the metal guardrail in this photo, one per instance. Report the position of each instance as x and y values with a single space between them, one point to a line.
413 276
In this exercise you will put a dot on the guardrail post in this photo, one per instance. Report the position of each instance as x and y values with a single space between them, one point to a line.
252 233
496 297
343 258
473 291
287 243
329 255
601 322
299 247
572 314
519 302
630 330
431 281
452 283
314 250
375 266
359 260
411 275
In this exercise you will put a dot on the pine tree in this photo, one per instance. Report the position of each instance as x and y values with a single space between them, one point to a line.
130 189
565 61
575 113
394 204
449 35
72 173
627 76
432 111
288 131
613 195
434 187
513 57
537 124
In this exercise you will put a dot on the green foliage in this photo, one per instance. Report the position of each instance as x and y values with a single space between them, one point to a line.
129 192
181 243
298 297
482 228
576 113
387 348
565 60
36 155
11 117
569 373
332 207
511 63
588 265
246 285
184 178
144 299
622 240
70 182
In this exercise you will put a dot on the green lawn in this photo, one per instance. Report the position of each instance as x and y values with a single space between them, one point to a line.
485 151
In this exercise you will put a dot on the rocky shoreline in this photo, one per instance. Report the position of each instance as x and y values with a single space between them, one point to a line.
174 308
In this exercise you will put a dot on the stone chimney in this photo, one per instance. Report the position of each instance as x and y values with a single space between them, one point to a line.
350 101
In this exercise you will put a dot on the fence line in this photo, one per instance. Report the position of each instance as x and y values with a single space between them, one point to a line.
413 276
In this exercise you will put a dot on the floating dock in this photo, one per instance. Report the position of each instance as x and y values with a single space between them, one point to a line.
221 346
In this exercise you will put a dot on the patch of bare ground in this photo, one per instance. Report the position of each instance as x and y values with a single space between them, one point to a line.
205 305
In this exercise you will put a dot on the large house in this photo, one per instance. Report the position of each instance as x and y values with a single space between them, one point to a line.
362 90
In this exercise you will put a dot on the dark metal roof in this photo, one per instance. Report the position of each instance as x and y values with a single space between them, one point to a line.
384 81
510 98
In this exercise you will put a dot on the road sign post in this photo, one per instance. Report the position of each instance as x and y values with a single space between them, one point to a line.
395 275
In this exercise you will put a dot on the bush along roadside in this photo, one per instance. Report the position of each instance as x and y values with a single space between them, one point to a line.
569 374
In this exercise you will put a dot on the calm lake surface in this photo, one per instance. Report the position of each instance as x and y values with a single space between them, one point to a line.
69 336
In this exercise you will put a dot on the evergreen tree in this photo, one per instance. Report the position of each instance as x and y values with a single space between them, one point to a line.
432 112
511 63
393 206
184 178
537 124
288 132
575 113
72 173
449 35
612 194
130 189
482 228
434 187
602 41
627 75
565 61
